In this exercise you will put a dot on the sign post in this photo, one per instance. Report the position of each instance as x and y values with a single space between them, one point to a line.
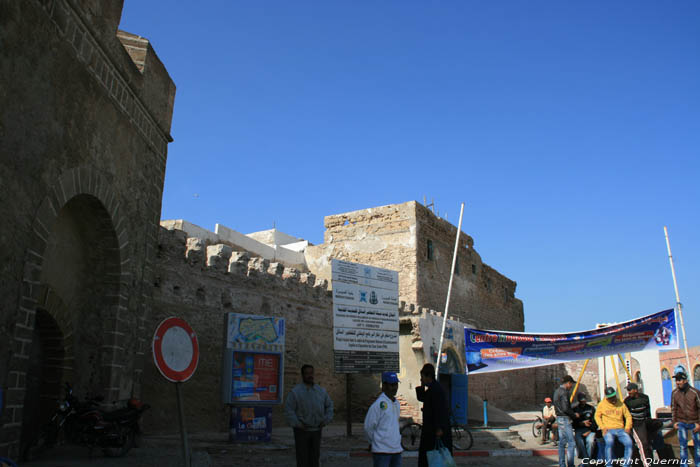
365 322
176 355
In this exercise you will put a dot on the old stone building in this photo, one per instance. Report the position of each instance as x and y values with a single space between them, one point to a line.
411 239
85 114
202 275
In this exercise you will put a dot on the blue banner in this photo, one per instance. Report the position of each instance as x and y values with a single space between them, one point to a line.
488 351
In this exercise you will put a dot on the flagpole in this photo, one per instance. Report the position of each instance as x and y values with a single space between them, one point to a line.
449 291
678 305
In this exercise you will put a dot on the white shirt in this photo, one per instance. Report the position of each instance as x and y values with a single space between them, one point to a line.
548 411
382 425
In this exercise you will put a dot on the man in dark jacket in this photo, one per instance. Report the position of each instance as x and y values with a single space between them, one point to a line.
585 427
565 417
685 411
436 417
640 408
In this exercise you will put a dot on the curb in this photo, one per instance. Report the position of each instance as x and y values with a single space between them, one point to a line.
492 453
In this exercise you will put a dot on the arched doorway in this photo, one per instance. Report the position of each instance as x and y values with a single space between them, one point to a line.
77 310
45 375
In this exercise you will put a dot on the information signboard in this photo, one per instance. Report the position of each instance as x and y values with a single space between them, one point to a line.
253 360
365 318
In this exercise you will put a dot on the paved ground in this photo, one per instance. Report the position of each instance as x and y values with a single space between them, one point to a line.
213 449
163 457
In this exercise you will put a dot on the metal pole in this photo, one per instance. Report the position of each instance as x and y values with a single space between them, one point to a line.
678 305
449 291
580 377
348 399
617 379
183 431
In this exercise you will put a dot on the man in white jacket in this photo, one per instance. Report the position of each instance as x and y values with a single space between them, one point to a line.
382 424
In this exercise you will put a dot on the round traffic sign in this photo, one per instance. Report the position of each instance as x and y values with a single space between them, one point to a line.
175 349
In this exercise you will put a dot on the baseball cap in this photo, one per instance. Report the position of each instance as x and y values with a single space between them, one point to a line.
567 379
680 375
582 397
548 399
610 392
389 377
631 386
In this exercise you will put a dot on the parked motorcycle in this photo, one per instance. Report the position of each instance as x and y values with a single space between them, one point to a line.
86 424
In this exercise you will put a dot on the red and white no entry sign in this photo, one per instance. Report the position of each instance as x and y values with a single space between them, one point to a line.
175 350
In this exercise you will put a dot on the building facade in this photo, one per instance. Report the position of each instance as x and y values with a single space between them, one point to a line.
85 112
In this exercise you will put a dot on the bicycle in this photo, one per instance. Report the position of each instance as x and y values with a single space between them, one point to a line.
462 439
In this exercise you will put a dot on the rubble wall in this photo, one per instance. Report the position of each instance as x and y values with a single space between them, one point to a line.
201 283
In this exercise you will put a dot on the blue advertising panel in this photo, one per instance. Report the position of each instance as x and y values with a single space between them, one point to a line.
489 351
250 424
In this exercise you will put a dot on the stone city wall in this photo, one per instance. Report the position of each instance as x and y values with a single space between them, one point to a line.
383 237
200 283
83 133
480 295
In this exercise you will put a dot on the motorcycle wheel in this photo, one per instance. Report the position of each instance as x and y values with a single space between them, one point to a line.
127 435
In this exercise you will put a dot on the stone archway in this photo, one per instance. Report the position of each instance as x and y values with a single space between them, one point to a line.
78 257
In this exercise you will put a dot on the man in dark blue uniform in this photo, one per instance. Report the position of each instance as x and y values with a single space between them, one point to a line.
436 416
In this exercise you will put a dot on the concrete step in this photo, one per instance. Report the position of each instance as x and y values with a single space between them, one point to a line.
496 438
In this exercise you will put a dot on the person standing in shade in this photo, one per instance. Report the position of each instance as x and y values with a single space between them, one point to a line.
615 421
308 409
436 416
640 408
565 418
685 411
382 424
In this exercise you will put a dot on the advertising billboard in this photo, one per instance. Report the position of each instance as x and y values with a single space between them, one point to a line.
253 362
488 351
255 377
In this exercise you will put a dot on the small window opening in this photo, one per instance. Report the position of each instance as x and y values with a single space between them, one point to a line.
430 250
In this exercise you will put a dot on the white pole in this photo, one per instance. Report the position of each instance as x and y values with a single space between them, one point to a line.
449 291
679 306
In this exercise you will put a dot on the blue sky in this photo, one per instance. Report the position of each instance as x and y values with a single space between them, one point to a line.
569 129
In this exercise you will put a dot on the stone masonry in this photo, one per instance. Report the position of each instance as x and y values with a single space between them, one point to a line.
410 239
85 114
201 282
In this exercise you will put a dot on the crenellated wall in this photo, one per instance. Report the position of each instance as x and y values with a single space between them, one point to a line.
202 282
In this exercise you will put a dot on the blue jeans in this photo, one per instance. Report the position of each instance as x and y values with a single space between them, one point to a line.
683 429
585 443
386 460
622 437
567 444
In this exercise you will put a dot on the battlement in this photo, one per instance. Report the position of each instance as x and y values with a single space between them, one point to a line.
256 244
193 255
